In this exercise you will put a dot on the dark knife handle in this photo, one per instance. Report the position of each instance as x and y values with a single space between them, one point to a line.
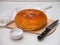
42 35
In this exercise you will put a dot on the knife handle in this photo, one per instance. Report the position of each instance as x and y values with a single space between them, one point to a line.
42 35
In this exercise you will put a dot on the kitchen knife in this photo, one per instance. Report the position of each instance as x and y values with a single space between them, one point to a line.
49 28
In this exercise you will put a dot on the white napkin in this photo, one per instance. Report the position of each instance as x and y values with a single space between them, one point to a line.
5 17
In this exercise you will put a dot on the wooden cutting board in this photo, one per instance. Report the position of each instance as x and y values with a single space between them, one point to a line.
13 25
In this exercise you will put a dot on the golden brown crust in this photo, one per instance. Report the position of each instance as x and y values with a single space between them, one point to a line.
30 19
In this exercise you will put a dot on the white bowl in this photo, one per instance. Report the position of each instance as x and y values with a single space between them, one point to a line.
16 33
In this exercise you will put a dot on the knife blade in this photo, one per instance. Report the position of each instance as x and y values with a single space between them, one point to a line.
48 28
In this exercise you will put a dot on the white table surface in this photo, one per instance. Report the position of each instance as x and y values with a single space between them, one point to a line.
29 38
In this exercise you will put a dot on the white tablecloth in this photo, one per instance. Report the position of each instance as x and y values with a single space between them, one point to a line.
29 38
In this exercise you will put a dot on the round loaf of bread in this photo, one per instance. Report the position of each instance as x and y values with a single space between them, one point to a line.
30 19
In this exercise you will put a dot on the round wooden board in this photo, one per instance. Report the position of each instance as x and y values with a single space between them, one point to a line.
13 25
